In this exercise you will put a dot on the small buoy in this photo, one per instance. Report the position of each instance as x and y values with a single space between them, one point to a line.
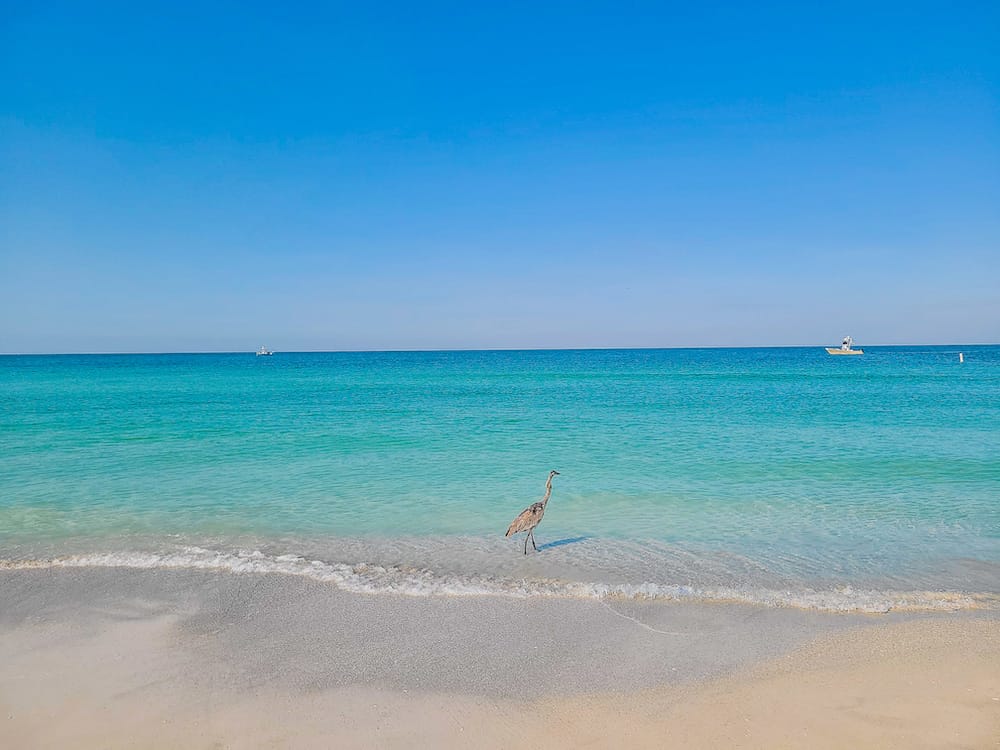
961 357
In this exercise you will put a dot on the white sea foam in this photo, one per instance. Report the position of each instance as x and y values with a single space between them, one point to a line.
402 580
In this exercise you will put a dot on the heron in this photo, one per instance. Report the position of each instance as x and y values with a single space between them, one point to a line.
531 516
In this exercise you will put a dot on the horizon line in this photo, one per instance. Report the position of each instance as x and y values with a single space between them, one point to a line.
476 349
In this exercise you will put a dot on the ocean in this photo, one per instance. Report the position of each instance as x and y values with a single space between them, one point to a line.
776 476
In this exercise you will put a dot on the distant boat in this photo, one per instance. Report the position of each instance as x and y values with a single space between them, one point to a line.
264 352
845 347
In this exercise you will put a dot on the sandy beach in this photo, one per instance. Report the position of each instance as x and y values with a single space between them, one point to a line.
99 658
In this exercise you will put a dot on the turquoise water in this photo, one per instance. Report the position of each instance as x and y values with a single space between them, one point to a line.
684 472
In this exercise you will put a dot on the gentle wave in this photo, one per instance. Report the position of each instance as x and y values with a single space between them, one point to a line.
378 579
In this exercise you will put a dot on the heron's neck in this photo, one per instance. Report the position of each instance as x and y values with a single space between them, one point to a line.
548 491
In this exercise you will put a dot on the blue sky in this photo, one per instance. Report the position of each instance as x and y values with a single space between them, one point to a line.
188 177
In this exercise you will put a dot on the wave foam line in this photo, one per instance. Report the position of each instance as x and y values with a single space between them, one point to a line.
377 579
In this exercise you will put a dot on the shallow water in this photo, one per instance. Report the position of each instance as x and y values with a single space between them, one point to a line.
778 475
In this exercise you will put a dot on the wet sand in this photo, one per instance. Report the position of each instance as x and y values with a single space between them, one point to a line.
130 658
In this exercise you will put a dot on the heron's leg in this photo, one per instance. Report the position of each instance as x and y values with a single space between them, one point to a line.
532 532
526 543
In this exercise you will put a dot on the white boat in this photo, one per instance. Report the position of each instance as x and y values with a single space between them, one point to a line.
264 352
845 347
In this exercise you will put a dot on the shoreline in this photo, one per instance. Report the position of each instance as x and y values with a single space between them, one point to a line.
530 581
163 658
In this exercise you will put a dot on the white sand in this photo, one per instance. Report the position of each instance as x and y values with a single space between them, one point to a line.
122 658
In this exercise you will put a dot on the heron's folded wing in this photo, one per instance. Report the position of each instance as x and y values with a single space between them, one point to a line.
524 521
